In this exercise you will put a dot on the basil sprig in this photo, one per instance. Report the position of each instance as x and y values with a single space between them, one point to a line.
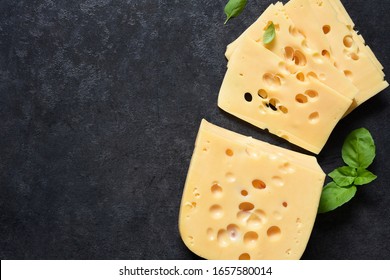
358 152
233 8
269 34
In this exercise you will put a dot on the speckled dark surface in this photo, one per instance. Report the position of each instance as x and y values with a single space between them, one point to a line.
100 103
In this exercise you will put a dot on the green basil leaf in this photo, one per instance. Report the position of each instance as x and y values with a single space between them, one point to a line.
364 177
358 149
233 8
343 176
333 196
269 34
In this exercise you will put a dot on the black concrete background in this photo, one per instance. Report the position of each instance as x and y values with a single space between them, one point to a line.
100 103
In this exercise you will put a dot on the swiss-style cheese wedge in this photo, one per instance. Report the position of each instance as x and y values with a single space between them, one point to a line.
348 50
247 199
291 45
257 88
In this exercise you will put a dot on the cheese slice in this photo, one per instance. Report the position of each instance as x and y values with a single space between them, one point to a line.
247 199
343 16
347 48
294 47
257 88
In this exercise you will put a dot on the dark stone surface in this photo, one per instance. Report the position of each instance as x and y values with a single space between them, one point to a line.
100 103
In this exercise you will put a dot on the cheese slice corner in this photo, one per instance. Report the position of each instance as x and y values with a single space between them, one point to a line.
247 199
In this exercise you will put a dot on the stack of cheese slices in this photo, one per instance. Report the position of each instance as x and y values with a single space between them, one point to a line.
315 71
247 199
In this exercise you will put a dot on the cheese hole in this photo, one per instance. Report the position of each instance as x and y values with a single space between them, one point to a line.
285 204
223 238
243 216
283 109
278 181
229 152
277 215
248 97
216 190
314 117
253 221
272 107
286 168
296 32
274 233
191 240
283 67
326 29
311 93
272 104
305 45
288 252
246 206
354 56
326 54
348 74
196 193
348 41
258 184
318 58
289 53
271 80
251 151
230 177
244 193
262 109
241 74
256 219
262 93
244 256
250 238
322 77
189 206
300 76
299 58
299 222
300 98
216 211
233 231
210 234
312 75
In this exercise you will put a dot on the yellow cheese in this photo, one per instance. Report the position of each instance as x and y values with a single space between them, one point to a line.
294 47
258 89
348 50
247 199
343 16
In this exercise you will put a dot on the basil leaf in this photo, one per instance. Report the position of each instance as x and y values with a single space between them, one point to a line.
343 176
233 8
333 196
364 177
269 34
358 148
